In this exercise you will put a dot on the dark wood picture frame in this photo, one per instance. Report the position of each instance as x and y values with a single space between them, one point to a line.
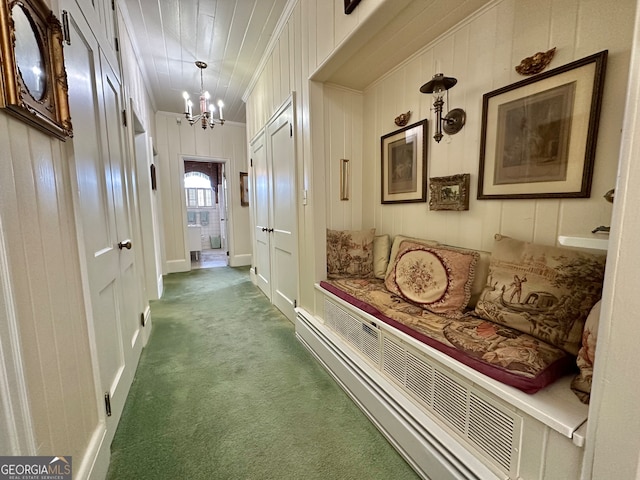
350 5
404 164
539 135
33 80
449 193
244 189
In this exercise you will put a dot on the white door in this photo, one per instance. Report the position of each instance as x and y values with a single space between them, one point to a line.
262 200
283 229
103 216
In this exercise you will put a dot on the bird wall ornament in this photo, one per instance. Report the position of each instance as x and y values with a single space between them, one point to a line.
535 63
402 119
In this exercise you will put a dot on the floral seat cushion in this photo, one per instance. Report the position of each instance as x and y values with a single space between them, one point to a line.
507 355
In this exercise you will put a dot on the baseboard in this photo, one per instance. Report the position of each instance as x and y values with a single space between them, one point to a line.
177 266
95 464
240 260
430 450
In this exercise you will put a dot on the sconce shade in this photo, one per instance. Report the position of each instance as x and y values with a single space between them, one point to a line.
439 83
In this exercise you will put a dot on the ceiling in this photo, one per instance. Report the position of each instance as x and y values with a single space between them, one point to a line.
229 35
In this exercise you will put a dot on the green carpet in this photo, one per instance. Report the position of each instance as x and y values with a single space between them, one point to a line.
225 391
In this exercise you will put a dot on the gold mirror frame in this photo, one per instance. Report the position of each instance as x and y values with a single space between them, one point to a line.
50 113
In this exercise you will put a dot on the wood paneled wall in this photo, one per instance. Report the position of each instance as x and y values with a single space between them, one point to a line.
39 233
482 53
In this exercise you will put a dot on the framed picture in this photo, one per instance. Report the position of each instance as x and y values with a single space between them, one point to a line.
539 135
244 189
404 164
350 5
449 193
33 81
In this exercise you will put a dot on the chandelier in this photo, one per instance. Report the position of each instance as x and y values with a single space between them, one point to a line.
207 109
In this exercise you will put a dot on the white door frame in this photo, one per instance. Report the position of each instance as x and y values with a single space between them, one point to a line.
229 214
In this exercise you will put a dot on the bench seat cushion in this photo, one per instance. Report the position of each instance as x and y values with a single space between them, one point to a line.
507 355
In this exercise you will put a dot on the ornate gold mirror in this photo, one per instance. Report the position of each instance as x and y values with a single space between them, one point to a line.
33 86
28 52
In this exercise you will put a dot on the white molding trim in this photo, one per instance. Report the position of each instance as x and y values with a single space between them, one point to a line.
15 414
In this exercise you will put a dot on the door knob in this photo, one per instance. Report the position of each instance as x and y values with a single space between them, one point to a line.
270 230
126 244
264 229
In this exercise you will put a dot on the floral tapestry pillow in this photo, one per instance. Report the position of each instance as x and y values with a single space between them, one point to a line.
581 384
544 291
436 278
397 242
350 253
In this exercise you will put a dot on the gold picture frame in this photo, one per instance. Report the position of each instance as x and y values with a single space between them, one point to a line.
449 193
404 164
539 135
33 81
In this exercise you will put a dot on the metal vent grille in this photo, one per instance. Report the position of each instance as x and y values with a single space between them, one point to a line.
491 430
450 400
482 423
394 360
363 337
419 378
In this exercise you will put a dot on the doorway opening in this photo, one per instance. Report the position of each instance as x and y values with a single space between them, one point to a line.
206 213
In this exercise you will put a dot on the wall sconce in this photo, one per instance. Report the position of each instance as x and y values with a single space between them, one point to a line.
453 121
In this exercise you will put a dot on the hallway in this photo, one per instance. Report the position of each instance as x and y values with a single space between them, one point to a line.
225 391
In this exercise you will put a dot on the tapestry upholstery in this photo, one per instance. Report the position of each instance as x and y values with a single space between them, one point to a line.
544 291
581 384
350 253
433 277
381 249
480 278
397 241
507 355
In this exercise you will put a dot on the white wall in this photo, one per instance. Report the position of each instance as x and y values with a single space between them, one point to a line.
224 143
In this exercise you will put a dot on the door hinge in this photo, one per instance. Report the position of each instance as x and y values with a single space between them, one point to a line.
113 5
291 129
117 45
124 118
255 270
65 27
143 320
251 162
107 403
295 303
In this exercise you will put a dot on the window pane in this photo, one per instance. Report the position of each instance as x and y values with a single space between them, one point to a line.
207 198
200 197
191 197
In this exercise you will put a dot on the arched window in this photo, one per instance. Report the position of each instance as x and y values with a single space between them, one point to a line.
198 190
